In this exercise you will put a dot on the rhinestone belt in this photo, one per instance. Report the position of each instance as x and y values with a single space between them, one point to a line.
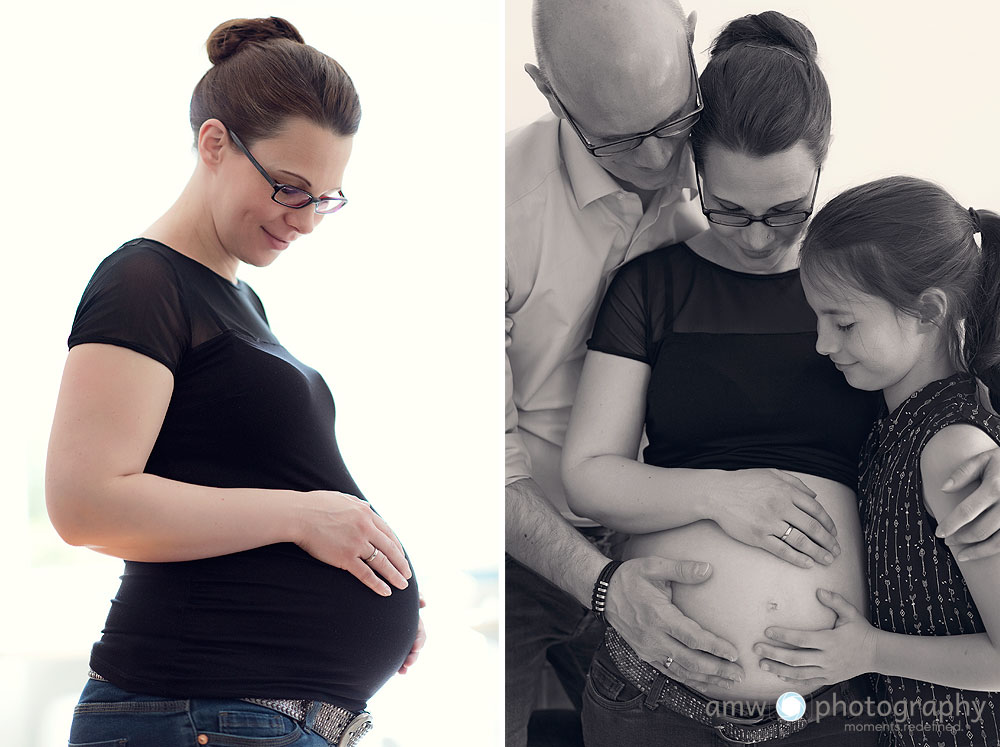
683 700
338 726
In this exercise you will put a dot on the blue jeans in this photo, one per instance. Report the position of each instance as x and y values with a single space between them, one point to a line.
107 716
615 714
542 622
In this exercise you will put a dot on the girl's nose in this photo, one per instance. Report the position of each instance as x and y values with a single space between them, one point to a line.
826 339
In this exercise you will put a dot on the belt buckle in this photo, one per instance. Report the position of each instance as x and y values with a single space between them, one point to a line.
356 728
721 728
751 739
763 734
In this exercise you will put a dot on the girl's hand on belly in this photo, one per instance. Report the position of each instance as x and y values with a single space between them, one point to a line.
821 657
759 507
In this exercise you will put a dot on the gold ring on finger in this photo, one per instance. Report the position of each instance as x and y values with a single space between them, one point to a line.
372 557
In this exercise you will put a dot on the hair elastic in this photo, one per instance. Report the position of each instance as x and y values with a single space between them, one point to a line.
975 220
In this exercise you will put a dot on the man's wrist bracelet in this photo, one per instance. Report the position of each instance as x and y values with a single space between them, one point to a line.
600 595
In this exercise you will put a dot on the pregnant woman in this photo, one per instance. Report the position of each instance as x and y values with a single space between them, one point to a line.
753 436
263 600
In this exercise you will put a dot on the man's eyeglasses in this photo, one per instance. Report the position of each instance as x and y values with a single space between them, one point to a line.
289 196
676 128
742 220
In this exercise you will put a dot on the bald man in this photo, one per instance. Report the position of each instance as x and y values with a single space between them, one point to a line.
604 178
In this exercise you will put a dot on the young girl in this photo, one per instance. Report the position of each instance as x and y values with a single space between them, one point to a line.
909 303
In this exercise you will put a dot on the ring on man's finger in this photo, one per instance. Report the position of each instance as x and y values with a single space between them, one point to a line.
784 537
372 557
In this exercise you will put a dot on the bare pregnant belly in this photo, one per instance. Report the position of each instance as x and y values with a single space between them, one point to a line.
751 589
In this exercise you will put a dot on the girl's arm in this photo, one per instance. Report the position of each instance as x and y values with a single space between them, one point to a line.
111 406
974 525
854 646
966 661
605 482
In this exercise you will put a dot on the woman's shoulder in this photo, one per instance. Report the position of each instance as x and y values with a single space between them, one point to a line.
665 256
137 266
671 260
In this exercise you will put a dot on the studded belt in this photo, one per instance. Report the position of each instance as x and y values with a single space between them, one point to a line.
338 726
678 698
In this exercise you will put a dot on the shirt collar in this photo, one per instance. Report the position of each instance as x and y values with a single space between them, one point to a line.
590 182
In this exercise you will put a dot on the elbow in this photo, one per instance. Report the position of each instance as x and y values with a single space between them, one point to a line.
578 497
65 502
63 518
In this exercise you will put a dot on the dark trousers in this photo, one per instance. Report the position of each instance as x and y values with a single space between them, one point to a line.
615 713
542 622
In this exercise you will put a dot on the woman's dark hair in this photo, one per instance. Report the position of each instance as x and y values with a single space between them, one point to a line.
897 237
262 73
763 91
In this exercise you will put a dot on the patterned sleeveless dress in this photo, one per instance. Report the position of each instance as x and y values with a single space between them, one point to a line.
915 585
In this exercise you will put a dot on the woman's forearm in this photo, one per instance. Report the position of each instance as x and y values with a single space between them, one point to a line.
149 518
637 498
969 662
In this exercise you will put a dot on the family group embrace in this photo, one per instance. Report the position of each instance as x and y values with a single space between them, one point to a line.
750 445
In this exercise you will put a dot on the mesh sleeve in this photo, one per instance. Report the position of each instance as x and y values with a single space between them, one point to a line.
133 301
622 321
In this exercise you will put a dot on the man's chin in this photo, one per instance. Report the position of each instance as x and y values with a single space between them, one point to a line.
647 180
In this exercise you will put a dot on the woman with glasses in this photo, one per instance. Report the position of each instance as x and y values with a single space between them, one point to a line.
753 437
263 599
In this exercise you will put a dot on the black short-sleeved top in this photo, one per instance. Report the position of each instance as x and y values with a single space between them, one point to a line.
272 622
917 587
736 381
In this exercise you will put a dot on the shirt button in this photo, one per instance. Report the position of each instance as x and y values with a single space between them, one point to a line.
202 739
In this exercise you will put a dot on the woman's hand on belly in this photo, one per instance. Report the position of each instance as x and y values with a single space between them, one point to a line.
777 512
809 659
343 531
751 590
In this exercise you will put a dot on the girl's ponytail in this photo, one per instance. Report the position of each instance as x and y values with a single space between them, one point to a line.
983 324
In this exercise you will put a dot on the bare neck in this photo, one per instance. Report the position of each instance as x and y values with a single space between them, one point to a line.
188 227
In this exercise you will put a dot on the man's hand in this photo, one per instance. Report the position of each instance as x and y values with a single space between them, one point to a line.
972 529
640 607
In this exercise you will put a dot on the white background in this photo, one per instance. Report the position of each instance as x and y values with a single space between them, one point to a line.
394 300
913 83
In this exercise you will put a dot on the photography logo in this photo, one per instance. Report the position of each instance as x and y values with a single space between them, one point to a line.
791 706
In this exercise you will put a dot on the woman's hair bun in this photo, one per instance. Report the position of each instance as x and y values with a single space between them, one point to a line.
228 36
771 29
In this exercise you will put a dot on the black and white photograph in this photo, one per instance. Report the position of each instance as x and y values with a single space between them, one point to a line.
250 455
752 316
